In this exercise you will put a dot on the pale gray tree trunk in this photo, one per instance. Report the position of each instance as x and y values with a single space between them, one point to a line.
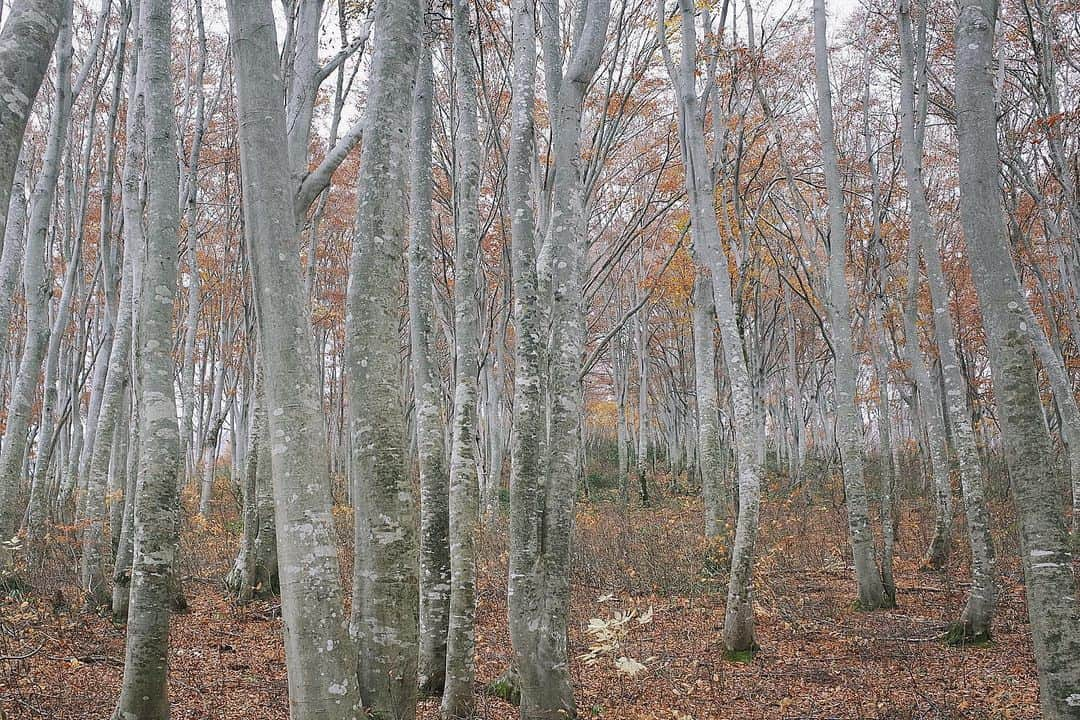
112 405
302 83
546 460
849 433
710 452
121 591
114 400
641 446
385 577
255 571
1061 386
458 701
213 430
320 660
795 413
978 611
545 680
118 477
47 427
12 257
132 208
240 580
144 693
26 44
37 289
885 433
430 418
194 290
1050 584
937 553
739 615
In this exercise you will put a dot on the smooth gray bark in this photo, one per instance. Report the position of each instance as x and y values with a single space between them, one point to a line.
385 574
427 392
979 608
871 590
255 570
318 654
26 44
545 456
710 450
937 553
458 700
12 258
739 615
37 289
144 693
1051 589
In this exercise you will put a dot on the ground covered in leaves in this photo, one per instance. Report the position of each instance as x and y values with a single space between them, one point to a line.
819 657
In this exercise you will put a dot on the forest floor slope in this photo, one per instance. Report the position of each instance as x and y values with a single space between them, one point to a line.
819 657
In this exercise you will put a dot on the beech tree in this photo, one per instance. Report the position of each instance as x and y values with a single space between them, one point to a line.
736 325
385 584
145 688
1052 598
322 666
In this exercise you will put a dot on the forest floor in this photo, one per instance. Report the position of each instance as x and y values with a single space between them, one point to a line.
819 657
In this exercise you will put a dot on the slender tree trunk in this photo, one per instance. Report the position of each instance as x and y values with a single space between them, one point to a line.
255 571
641 451
458 699
121 591
210 441
113 404
430 418
12 257
888 467
546 460
710 453
849 435
739 615
1061 386
1051 587
979 608
937 553
37 289
318 654
144 693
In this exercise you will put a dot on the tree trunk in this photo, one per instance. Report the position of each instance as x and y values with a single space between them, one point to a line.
430 419
255 570
849 435
385 586
318 654
26 44
1051 587
710 457
937 553
458 699
978 611
144 693
37 288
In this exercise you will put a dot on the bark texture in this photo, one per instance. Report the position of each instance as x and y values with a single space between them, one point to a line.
979 608
26 44
458 699
318 654
430 417
144 694
1051 586
871 589
385 575
37 289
